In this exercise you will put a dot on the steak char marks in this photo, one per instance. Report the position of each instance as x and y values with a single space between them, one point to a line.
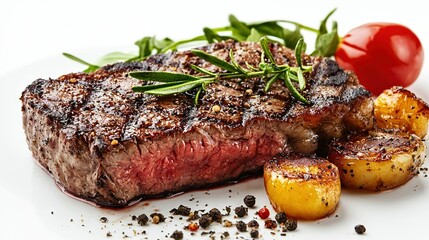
107 144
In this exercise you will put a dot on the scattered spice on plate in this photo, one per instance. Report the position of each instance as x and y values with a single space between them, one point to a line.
104 220
241 226
181 210
254 233
291 224
224 235
177 235
208 233
240 211
215 215
270 224
360 229
204 222
249 201
253 224
281 218
142 219
228 210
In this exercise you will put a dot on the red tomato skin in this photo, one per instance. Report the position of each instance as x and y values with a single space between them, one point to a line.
382 55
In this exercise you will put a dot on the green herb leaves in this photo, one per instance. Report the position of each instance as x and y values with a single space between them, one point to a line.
326 42
162 76
173 83
91 67
214 60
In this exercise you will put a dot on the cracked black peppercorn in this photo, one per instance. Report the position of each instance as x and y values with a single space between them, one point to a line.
241 226
204 222
254 233
228 210
291 225
142 219
281 218
360 229
177 235
215 215
270 224
181 210
240 211
253 224
250 201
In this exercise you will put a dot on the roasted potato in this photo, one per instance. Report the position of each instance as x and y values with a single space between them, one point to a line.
377 161
398 108
302 187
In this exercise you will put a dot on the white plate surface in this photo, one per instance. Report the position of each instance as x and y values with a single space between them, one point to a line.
32 206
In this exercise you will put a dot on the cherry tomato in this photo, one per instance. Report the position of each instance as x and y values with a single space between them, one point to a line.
382 55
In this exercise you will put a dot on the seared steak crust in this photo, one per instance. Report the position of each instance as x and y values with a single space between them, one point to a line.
102 142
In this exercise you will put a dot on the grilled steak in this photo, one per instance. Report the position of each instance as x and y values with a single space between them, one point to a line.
107 144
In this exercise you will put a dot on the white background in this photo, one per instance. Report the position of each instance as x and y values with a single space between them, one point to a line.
33 30
33 34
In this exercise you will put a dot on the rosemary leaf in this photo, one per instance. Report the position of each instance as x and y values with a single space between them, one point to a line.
162 76
235 64
293 76
266 49
214 60
292 88
153 86
202 70
301 79
270 82
298 50
250 67
197 95
174 89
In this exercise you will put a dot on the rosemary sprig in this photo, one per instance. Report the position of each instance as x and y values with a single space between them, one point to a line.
173 83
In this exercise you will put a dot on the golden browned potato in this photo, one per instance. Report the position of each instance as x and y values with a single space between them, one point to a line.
398 108
377 161
302 187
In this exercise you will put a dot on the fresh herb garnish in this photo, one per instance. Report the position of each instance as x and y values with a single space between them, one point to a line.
173 83
326 42
91 67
